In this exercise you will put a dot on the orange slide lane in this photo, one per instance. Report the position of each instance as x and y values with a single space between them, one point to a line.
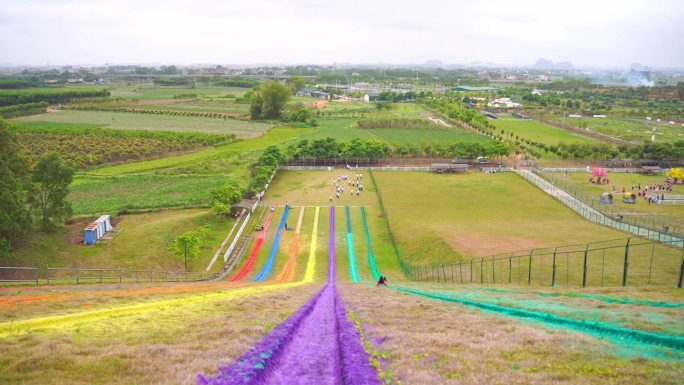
253 255
288 271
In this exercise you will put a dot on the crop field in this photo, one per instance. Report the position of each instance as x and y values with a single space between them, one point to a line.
149 91
539 132
92 195
630 129
133 121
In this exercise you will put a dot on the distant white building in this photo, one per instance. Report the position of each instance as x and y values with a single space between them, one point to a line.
371 97
504 103
539 92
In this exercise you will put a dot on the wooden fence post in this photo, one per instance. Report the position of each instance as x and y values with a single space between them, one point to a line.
626 265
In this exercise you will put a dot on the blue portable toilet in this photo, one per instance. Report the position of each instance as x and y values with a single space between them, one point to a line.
91 234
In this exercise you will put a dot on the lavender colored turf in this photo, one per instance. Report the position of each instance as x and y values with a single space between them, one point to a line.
331 253
318 344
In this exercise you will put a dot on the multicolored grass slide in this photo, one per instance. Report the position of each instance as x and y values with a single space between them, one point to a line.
255 251
350 245
318 344
331 251
247 268
266 270
371 257
311 264
599 329
288 271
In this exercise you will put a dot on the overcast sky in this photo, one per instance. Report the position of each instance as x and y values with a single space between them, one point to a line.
585 32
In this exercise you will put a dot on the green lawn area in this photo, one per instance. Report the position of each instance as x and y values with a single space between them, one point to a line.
673 215
148 91
144 243
230 108
443 218
539 132
417 137
94 195
630 129
437 218
134 121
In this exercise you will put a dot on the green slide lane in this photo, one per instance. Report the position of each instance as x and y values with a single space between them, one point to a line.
350 244
371 256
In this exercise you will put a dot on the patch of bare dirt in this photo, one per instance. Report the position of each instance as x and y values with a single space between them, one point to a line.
319 104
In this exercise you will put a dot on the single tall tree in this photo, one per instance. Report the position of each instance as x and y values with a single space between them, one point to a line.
187 245
51 178
269 100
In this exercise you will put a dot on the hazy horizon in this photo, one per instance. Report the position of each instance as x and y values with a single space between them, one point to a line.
588 34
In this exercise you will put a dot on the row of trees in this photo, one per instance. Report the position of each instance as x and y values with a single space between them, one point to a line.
370 148
23 109
26 192
52 96
399 123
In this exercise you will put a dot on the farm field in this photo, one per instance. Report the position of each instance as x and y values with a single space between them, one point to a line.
639 130
132 121
539 132
218 159
151 92
93 195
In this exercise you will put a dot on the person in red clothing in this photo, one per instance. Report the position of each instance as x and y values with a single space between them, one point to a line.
382 281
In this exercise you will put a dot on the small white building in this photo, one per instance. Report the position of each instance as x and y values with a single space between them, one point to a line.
504 103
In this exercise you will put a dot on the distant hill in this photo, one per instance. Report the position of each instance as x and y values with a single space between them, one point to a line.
546 64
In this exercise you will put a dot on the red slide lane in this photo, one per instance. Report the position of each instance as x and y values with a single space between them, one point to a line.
253 255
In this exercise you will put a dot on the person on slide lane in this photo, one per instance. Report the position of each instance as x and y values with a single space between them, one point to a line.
382 281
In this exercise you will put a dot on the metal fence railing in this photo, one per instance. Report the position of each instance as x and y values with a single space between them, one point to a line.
656 227
78 276
404 267
19 274
621 262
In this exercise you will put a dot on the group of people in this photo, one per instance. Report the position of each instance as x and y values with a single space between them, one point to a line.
354 184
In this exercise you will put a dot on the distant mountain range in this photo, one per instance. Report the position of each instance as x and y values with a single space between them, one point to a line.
546 64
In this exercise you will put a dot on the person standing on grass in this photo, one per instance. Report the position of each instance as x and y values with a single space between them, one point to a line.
331 198
382 281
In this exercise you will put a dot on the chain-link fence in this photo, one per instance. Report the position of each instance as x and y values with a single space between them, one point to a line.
404 267
655 227
620 262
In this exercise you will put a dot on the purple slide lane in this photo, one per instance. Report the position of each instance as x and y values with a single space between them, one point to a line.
318 344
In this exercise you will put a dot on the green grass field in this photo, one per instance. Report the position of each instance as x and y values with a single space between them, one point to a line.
630 129
133 121
539 132
415 137
92 195
149 91
437 218
144 243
